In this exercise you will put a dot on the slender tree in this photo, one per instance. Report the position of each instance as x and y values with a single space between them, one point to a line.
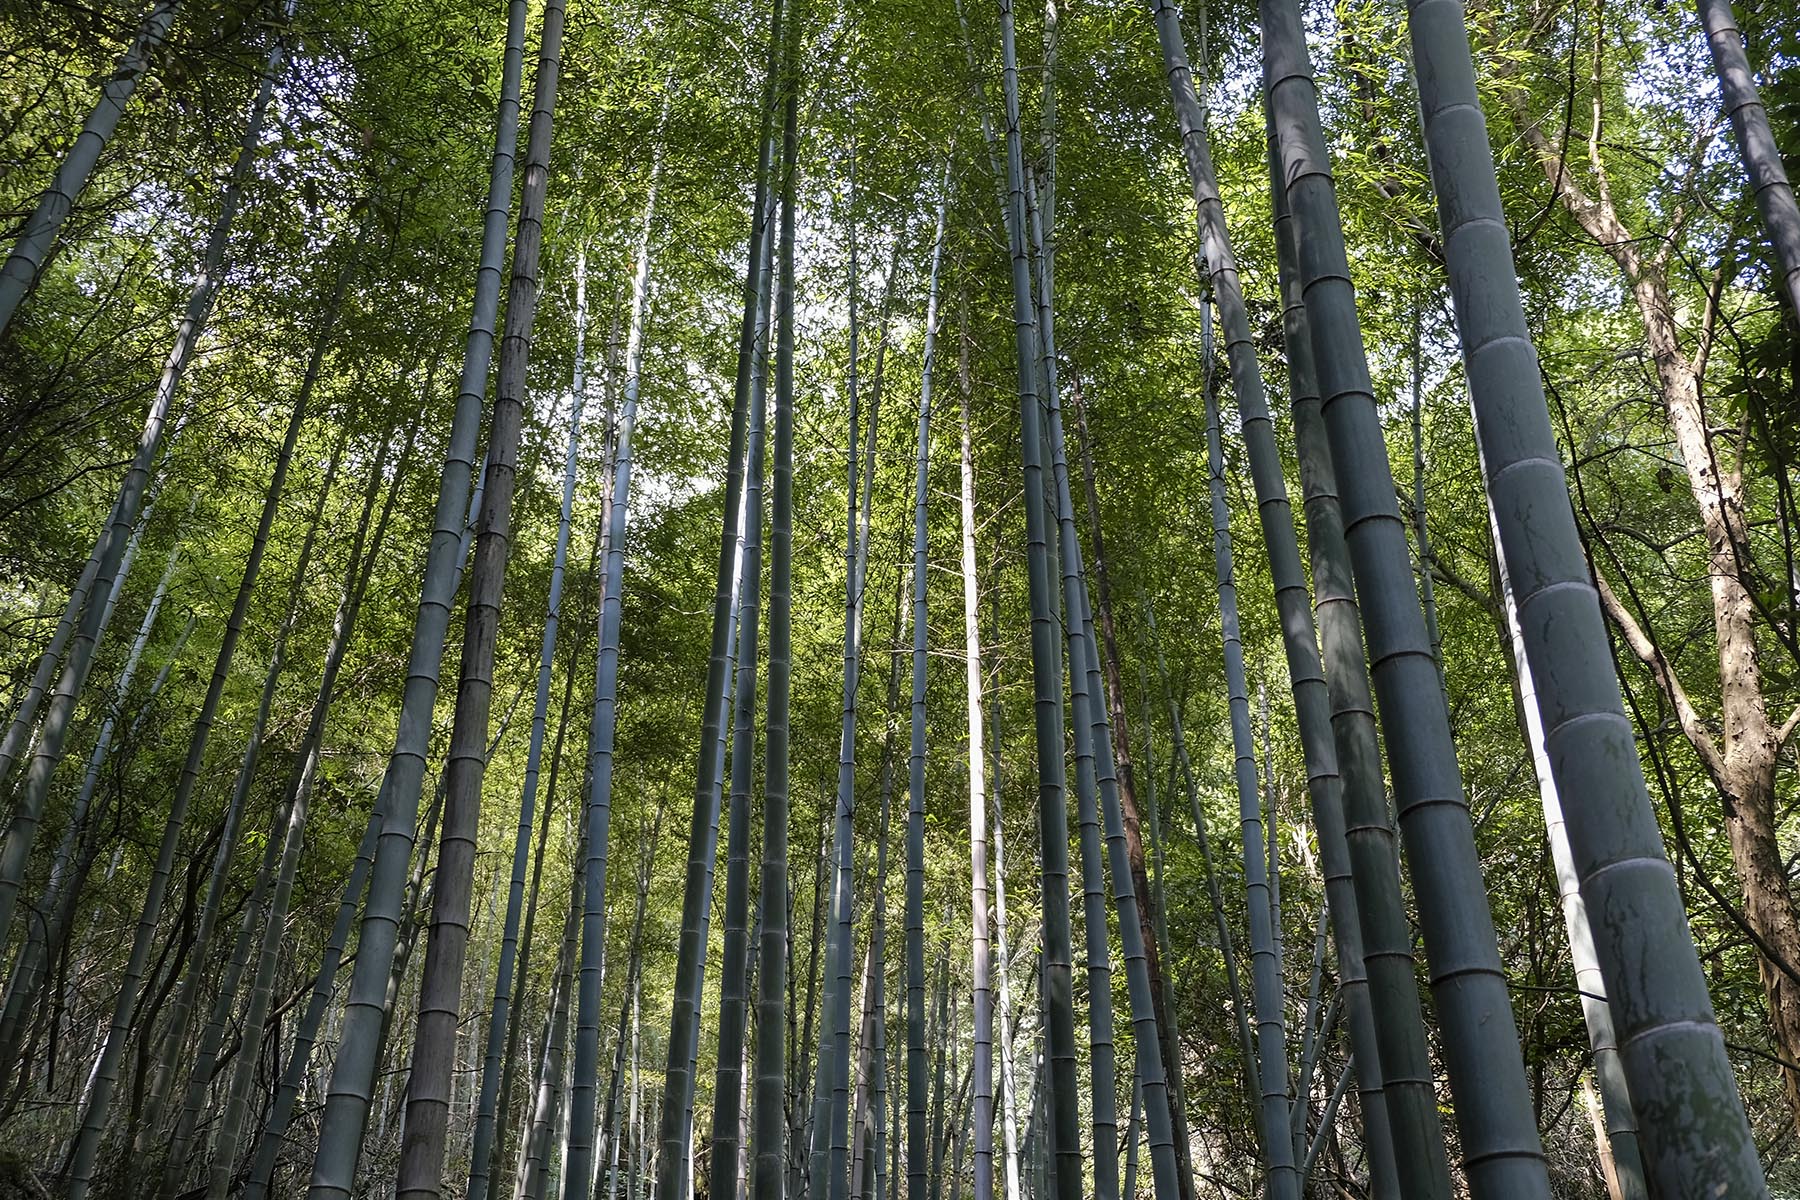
434 1045
84 1150
111 547
578 1169
1327 1123
707 859
1481 1043
1421 526
350 1091
175 1036
734 984
828 1170
1421 1146
943 1023
1619 1151
28 255
801 1123
916 1055
1009 1099
1769 184
60 921
867 1112
1132 1136
1674 1053
29 987
767 1137
868 1115
709 768
981 1063
868 1124
1046 670
1149 1076
1102 1063
500 1013
1374 857
1316 1028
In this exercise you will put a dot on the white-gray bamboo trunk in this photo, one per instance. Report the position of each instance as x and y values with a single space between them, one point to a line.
32 250
110 548
578 1169
85 1148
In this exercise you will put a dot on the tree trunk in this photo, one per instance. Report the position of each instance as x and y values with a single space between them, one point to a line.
768 1136
1386 927
1424 1158
427 1108
29 253
916 1058
734 995
980 953
828 1173
1741 763
1046 658
110 549
1009 1087
350 1090
1618 1141
709 769
868 1128
579 1166
867 1125
487 1116
830 1168
1498 1126
1101 776
85 1148
944 1038
1102 1066
1756 143
1283 1179
802 1113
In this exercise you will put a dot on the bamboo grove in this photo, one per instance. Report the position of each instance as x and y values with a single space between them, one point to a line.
774 599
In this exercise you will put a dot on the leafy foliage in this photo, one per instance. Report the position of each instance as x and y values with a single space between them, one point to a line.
375 165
